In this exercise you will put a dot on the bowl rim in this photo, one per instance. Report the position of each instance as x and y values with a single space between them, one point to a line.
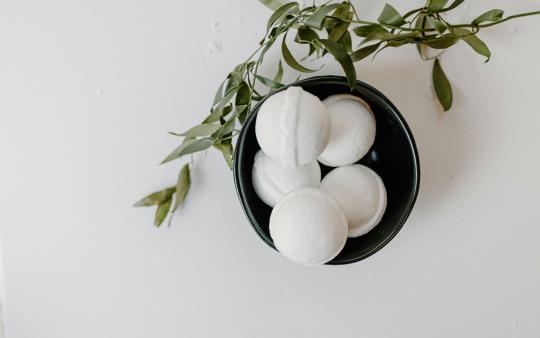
239 186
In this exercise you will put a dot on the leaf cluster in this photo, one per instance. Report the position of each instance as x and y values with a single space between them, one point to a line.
325 29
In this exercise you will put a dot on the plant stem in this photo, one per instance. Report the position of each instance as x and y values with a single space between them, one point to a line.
500 21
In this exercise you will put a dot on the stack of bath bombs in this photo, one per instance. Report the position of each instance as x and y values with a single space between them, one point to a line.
312 219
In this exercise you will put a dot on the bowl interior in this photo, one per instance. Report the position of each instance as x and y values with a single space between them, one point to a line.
393 156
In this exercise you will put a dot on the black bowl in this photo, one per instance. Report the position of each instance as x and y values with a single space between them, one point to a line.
393 156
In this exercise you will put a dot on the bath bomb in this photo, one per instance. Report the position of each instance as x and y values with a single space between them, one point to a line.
293 127
352 132
271 180
308 226
361 194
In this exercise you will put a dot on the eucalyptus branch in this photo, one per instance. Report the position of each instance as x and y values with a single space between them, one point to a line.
324 29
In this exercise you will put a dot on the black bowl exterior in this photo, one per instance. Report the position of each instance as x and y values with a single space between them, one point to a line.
393 156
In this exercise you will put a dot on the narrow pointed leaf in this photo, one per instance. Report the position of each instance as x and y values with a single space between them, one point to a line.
182 186
279 13
162 211
474 41
442 86
346 41
317 18
364 52
341 56
189 146
243 95
273 4
454 5
340 28
442 42
291 61
204 129
219 93
227 127
269 83
155 198
227 151
439 26
366 30
492 15
391 16
306 35
279 74
435 5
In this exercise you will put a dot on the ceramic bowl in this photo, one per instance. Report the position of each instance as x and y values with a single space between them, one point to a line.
393 156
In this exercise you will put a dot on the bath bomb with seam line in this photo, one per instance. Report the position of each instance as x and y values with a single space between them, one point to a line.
271 180
293 127
353 130
308 226
361 194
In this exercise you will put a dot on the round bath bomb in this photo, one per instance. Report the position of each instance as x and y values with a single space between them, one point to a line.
271 180
308 226
293 127
361 194
352 132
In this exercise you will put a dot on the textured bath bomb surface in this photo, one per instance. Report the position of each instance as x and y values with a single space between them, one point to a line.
293 127
361 194
271 180
352 130
308 226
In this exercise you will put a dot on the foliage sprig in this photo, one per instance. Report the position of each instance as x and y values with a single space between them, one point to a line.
324 29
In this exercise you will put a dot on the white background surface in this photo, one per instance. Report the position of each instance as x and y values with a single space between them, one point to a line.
88 90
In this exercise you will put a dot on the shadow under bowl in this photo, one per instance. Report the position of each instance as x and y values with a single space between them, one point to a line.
393 156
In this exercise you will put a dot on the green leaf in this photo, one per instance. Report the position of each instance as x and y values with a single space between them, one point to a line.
474 41
449 8
290 60
243 96
454 5
341 55
391 16
366 30
227 98
269 83
343 11
155 198
442 86
443 42
492 15
346 41
204 129
405 37
439 26
279 74
226 149
364 52
219 93
189 146
216 115
435 5
228 126
279 13
317 18
162 211
306 35
182 186
273 4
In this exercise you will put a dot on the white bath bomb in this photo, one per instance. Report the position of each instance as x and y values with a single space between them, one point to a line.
271 180
353 130
293 127
361 194
308 226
